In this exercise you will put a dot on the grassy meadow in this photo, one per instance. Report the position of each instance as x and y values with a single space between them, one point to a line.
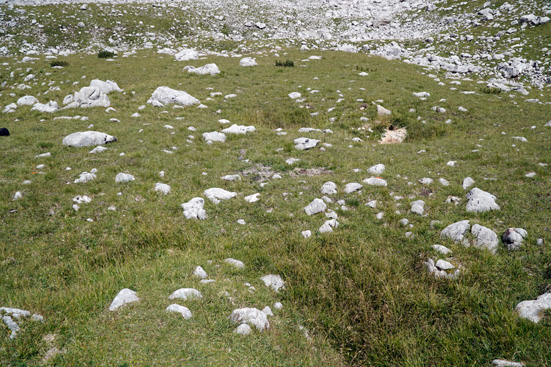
362 291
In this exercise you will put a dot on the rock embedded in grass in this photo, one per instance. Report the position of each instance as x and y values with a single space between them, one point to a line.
214 136
328 226
236 263
376 170
456 231
184 311
467 182
505 363
193 209
352 187
485 238
316 206
273 281
123 297
480 201
124 177
208 69
216 194
243 329
513 238
186 54
418 207
87 139
375 181
247 61
239 129
329 188
533 310
305 143
251 316
165 95
186 294
162 188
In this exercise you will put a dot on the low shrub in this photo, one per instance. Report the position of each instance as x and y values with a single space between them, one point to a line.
286 64
104 54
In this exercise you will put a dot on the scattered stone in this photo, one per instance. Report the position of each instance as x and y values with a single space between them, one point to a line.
295 95
162 188
165 95
87 139
375 181
231 178
98 149
444 182
193 209
480 201
238 264
505 363
381 111
352 187
125 296
418 207
440 273
27 101
513 238
426 181
216 194
376 170
247 61
208 69
316 206
12 325
533 309
444 265
456 231
124 177
243 329
184 311
214 136
186 294
86 176
239 129
273 281
442 249
251 316
306 234
252 198
200 273
467 182
328 226
485 238
305 143
394 136
186 54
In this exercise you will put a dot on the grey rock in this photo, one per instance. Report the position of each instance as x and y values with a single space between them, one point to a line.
418 207
533 309
513 238
87 138
480 201
316 206
456 231
485 238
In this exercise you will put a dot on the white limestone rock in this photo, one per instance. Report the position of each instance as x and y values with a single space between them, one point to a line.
375 181
124 177
184 311
216 194
208 69
162 188
186 54
273 281
236 263
442 249
239 129
381 111
163 96
125 296
485 238
98 149
513 238
295 95
85 177
186 294
438 272
376 170
243 329
316 206
305 143
27 101
214 136
480 201
533 309
200 273
329 188
505 363
231 178
352 187
12 325
467 182
49 107
306 234
251 316
193 209
328 226
456 231
444 265
252 198
87 138
247 61
418 207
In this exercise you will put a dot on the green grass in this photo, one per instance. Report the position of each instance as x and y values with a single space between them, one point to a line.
361 291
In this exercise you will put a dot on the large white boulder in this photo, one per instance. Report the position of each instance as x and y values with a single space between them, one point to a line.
247 61
165 95
87 139
251 316
485 238
27 101
456 231
316 206
480 201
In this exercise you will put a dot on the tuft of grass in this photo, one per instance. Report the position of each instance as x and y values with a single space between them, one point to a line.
286 63
59 63
104 54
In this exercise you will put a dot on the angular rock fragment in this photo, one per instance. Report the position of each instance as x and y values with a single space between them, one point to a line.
273 281
184 311
456 231
533 309
316 206
485 238
329 188
305 143
87 138
125 296
193 209
165 95
186 294
513 238
251 316
480 201
216 194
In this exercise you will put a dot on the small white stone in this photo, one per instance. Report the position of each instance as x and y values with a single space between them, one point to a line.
200 273
184 311
186 294
234 262
125 296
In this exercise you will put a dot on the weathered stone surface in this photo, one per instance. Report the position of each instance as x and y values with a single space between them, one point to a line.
485 238
87 139
316 206
418 207
251 316
329 188
513 238
480 201
273 281
456 231
125 296
216 194
184 311
163 96
533 309
186 294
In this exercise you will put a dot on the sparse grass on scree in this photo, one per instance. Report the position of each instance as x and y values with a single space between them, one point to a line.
361 291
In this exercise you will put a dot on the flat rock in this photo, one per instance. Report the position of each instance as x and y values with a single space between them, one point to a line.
184 311
442 249
505 363
305 143
193 209
239 129
236 263
186 294
485 238
163 96
186 54
125 296
251 316
376 170
467 182
444 265
352 187
216 194
27 101
252 198
381 111
375 181
87 139
247 61
214 136
328 226
480 201
533 309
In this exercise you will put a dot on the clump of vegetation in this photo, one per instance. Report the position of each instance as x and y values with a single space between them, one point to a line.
489 90
286 64
104 54
59 63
